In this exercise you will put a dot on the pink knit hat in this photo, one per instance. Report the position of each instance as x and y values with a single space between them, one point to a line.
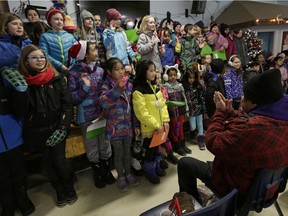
112 14
50 13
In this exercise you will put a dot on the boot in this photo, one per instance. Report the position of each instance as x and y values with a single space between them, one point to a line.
149 171
201 142
23 202
178 148
185 148
159 171
61 198
163 163
136 167
171 158
70 193
98 175
193 134
107 175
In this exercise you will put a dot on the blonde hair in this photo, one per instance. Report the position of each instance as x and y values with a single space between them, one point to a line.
144 23
24 67
7 18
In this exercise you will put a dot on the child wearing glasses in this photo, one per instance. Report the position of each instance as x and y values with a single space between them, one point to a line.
48 119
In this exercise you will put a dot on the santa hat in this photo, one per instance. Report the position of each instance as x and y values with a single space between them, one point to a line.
112 14
50 13
77 51
165 76
69 24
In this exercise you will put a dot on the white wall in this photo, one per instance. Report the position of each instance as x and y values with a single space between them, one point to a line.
177 10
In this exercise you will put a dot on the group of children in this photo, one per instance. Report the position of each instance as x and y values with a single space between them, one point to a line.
63 72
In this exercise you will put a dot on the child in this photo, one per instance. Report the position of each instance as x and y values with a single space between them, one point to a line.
233 79
177 114
116 101
189 47
148 42
167 58
167 145
56 42
12 39
84 82
195 93
87 31
48 119
151 110
115 39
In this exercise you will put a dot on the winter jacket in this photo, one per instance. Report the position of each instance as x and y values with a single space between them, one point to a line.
176 93
50 108
243 144
13 105
117 45
168 57
233 83
147 50
116 102
84 97
230 50
218 40
9 51
56 46
189 51
195 98
150 109
241 49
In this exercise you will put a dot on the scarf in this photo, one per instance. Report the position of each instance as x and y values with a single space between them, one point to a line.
41 78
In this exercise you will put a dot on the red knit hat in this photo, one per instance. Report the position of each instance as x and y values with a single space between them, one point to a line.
112 14
50 13
77 51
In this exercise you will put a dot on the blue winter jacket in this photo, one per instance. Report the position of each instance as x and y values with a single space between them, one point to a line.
117 45
9 52
56 46
13 106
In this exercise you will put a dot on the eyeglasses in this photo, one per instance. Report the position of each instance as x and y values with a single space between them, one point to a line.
42 58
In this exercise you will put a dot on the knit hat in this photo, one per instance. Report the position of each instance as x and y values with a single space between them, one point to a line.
31 8
50 13
264 88
213 24
77 51
200 24
165 76
217 66
86 14
69 24
112 14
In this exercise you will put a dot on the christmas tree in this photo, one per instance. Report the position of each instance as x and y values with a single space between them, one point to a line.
253 44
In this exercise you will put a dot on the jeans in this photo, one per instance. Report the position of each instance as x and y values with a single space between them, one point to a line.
189 169
196 120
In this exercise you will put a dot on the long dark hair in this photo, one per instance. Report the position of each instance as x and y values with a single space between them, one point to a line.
110 64
185 79
141 73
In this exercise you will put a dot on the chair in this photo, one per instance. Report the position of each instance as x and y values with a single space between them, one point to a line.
223 207
264 191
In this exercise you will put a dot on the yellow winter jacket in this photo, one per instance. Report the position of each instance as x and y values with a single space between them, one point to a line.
150 109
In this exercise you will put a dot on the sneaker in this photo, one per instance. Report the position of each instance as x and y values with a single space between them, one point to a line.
132 180
122 184
71 194
61 198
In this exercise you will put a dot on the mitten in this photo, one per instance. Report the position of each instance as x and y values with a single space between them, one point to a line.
14 78
56 137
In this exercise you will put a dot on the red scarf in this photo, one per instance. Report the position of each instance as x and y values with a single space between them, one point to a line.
41 78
